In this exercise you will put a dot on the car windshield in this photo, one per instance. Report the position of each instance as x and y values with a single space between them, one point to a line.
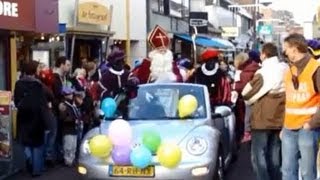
160 102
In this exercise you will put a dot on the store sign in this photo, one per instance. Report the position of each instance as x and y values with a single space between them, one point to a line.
5 98
199 20
94 12
17 15
8 9
230 32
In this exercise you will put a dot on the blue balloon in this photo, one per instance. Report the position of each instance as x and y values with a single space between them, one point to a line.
141 157
109 107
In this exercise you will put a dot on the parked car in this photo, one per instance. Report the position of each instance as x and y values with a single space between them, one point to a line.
155 107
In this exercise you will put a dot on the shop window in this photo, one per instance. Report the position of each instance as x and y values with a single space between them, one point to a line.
42 56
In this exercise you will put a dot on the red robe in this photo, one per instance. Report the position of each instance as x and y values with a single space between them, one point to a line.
142 72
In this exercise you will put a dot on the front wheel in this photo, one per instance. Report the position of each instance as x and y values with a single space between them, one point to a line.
219 171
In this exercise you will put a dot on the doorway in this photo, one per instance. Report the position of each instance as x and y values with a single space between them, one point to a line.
4 63
89 48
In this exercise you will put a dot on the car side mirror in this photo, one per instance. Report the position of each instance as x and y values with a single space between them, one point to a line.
217 120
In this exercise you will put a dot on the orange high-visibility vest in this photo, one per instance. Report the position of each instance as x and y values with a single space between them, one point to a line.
303 103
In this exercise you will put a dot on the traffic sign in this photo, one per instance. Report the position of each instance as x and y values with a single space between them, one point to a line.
265 29
198 22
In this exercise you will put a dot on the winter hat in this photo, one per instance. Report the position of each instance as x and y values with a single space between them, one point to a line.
254 55
46 76
66 90
137 62
314 47
185 63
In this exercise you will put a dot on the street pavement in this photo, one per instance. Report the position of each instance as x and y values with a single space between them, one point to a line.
241 169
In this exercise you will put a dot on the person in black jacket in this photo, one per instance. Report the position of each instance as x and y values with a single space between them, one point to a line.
46 77
60 79
30 99
72 124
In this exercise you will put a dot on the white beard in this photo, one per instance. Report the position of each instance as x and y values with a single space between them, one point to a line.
161 66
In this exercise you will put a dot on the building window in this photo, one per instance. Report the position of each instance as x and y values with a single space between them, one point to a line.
179 8
157 6
209 2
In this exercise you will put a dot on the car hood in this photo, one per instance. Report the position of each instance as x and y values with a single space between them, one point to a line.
170 131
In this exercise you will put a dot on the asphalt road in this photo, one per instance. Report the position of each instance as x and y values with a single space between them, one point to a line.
241 169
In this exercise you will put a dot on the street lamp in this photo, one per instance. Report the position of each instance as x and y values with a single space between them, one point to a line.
194 37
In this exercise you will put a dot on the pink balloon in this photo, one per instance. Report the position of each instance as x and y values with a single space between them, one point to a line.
120 132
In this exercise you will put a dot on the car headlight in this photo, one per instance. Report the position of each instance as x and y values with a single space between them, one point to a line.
85 147
197 145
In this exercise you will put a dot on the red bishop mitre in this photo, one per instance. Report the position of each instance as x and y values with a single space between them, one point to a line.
158 38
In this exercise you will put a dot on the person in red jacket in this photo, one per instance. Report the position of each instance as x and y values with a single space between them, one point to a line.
245 70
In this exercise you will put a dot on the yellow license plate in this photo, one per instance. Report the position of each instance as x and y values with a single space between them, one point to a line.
130 171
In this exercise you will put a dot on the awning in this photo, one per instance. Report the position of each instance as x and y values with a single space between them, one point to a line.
206 41
226 43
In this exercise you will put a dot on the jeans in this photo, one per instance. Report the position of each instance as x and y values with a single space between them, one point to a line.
35 156
69 148
299 144
247 118
50 140
265 154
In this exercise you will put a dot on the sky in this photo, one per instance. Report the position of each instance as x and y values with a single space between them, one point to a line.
295 6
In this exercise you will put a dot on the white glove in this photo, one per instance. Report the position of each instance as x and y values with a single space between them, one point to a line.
234 96
237 75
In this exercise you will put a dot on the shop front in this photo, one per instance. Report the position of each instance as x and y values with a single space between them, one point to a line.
87 29
21 22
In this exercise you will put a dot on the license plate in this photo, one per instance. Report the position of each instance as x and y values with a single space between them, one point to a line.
130 171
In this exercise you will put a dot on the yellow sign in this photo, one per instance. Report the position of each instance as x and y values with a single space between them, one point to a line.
130 171
94 12
5 97
230 32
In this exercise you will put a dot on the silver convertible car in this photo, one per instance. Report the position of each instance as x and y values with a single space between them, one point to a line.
155 107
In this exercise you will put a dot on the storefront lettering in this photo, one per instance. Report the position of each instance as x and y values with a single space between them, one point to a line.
94 16
8 9
93 12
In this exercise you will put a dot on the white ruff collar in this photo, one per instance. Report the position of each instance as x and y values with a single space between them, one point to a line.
119 73
209 72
